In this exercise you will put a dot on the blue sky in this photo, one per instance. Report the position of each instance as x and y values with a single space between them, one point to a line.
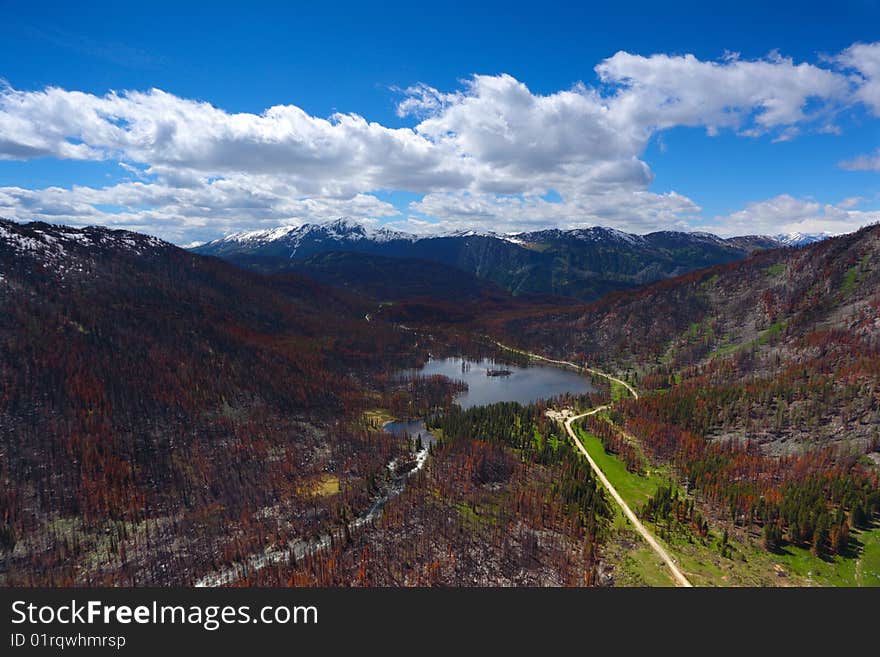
541 136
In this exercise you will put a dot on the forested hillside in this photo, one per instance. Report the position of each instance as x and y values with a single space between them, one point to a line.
161 410
383 278
760 382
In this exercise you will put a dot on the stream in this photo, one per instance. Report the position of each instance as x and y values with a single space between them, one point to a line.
299 548
521 384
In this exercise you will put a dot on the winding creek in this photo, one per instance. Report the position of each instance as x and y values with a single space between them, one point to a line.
520 384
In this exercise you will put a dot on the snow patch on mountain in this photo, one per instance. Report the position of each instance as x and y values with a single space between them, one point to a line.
342 229
264 235
21 242
345 230
599 233
800 239
63 249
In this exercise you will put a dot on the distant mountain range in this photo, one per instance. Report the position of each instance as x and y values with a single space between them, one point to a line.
583 263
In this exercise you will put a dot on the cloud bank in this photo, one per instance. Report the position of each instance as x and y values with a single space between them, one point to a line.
786 214
491 154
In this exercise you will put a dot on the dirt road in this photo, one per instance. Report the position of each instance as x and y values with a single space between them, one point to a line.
626 385
677 575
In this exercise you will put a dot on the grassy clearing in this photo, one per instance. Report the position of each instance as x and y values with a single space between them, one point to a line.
867 572
860 569
853 276
376 417
773 331
634 489
726 348
706 561
486 511
618 390
466 511
323 486
553 441
769 334
849 280
636 564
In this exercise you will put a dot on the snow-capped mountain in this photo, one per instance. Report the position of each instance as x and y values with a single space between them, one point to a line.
800 239
63 251
580 262
305 239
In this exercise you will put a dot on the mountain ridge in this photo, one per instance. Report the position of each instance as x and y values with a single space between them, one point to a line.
582 263
348 228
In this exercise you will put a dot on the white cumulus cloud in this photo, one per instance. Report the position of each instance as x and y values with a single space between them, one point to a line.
787 214
864 59
486 154
753 97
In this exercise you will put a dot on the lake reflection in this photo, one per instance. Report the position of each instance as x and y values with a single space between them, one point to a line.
524 384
